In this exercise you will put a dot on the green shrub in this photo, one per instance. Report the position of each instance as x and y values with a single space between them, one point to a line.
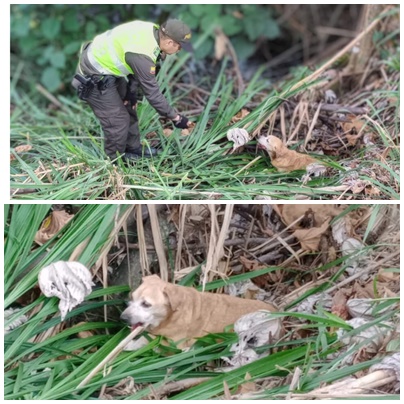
47 37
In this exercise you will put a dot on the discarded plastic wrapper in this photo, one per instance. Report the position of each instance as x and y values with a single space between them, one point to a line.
339 230
254 330
374 334
15 323
309 304
373 337
69 281
282 158
313 170
351 246
364 308
391 363
238 136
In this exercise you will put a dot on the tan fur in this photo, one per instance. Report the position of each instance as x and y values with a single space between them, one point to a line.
282 158
186 313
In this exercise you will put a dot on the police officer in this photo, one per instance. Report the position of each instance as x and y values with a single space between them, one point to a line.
111 67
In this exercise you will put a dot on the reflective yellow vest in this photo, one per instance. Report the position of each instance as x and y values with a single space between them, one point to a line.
107 51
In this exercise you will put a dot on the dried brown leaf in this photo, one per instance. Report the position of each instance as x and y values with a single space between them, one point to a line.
291 213
51 225
339 307
354 125
248 387
20 149
240 115
310 238
352 139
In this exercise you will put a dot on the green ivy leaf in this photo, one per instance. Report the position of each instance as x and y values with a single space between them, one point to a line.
231 25
20 26
72 48
71 22
212 10
197 9
272 30
48 52
208 20
30 46
205 49
243 47
58 60
255 26
91 30
192 21
50 28
51 78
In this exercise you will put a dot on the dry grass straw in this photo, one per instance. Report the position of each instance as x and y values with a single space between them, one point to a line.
351 387
111 355
181 229
216 243
158 242
144 262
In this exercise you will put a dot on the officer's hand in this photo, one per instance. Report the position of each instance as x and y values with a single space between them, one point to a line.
130 98
181 122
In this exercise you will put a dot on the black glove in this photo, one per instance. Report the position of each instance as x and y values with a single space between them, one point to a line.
130 97
182 123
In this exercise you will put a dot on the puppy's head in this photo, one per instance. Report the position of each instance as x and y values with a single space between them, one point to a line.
271 144
149 305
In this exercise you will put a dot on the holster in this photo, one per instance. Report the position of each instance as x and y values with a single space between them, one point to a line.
88 83
86 86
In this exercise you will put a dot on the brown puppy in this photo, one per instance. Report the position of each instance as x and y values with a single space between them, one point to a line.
282 158
181 313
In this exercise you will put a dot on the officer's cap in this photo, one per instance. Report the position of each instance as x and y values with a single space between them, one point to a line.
179 32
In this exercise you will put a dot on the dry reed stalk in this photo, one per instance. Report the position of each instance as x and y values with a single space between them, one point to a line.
144 262
158 242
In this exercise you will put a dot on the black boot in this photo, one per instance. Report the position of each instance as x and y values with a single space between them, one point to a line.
130 157
142 152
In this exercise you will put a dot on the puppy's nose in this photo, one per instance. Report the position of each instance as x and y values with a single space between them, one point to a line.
124 316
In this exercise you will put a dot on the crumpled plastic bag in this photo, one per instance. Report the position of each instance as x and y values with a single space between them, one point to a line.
391 363
254 330
238 136
308 305
15 323
340 230
313 170
351 246
370 339
374 334
282 158
247 289
69 281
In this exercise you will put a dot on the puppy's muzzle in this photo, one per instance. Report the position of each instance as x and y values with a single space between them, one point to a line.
125 316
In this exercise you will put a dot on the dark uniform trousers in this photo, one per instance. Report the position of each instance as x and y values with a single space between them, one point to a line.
119 122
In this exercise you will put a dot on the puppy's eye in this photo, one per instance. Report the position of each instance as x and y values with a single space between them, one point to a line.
145 304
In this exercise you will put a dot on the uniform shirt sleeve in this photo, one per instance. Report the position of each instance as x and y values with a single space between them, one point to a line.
144 70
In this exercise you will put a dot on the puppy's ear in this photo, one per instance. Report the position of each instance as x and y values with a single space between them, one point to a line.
174 295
